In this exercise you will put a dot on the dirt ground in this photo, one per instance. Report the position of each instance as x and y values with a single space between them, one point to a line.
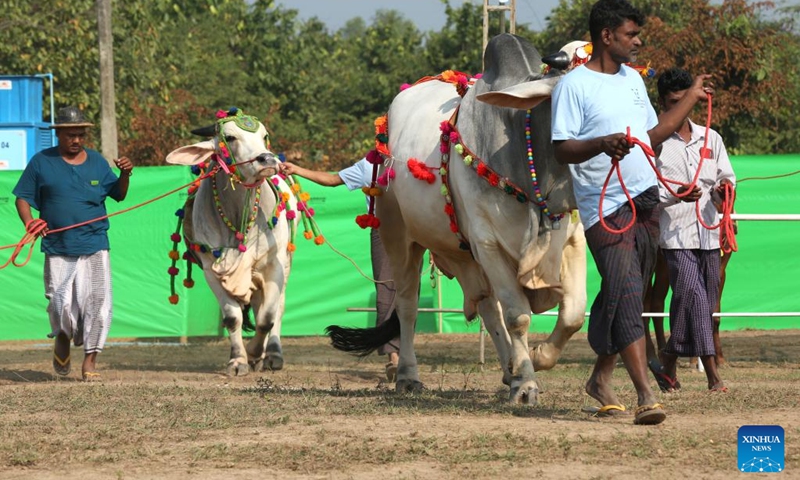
167 411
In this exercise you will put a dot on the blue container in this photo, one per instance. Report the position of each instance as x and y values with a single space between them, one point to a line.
22 131
20 141
21 98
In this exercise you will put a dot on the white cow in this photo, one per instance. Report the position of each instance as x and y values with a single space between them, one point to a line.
240 233
509 256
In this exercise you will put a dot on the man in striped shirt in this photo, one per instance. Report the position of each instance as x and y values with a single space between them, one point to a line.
691 250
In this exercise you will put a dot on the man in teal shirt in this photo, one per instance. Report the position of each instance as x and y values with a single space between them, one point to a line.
68 185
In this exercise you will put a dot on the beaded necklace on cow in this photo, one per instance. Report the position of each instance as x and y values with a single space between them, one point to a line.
283 205
450 135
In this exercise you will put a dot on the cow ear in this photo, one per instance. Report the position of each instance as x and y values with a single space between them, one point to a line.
522 96
192 154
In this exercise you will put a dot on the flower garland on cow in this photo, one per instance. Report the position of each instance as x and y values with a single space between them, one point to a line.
223 160
450 138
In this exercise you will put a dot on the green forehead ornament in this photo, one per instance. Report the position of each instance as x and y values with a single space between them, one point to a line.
247 123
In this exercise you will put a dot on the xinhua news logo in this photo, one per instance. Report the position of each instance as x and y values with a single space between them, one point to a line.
761 449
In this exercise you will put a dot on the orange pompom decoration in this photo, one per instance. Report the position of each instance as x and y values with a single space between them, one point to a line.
291 247
188 283
173 299
319 240
308 234
173 255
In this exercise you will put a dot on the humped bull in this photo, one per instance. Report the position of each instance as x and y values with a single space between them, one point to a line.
496 211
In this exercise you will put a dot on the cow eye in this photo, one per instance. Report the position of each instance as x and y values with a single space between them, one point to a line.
229 138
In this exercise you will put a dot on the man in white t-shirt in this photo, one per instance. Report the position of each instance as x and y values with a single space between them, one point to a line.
592 108
356 176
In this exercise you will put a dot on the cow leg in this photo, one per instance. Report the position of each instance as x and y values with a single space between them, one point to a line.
264 349
517 315
572 309
489 310
232 320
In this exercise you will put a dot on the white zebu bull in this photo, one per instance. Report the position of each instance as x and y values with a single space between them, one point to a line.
242 237
519 259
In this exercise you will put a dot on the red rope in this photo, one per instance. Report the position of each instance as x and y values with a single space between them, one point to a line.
36 226
727 237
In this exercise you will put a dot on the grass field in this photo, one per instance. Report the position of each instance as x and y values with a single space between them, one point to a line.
168 411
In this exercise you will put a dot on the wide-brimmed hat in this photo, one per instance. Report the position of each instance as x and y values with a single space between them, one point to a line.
70 117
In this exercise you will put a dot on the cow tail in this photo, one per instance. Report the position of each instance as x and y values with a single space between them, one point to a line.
247 322
363 341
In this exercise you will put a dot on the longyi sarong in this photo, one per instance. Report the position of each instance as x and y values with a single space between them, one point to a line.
624 262
79 292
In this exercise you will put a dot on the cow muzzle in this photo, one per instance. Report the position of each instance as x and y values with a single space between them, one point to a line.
267 165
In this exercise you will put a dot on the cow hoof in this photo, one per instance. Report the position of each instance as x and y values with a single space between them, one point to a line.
542 357
273 362
238 369
525 394
408 386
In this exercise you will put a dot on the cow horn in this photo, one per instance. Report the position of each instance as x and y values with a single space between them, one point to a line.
560 60
207 131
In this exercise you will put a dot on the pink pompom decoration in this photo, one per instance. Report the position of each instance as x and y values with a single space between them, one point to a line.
175 237
242 248
276 181
239 236
453 137
477 76
222 114
404 86
310 212
172 271
302 206
291 215
445 127
383 180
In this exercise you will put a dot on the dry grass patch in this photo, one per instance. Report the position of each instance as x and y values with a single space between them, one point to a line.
169 412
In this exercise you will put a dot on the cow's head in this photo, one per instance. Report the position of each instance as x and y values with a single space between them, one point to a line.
529 94
239 140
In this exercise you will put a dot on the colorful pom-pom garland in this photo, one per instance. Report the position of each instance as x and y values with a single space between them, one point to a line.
283 204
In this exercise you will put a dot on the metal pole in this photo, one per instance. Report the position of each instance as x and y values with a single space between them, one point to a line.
108 115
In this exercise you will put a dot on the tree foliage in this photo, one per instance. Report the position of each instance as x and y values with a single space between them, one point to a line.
318 91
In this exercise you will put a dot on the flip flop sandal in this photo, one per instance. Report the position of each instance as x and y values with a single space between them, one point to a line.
722 389
666 383
92 377
606 411
649 414
61 367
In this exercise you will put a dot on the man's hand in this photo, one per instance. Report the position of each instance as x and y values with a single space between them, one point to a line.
616 145
125 166
36 227
699 89
721 188
694 196
288 168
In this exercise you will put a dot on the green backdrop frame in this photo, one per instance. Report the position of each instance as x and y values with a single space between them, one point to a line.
764 276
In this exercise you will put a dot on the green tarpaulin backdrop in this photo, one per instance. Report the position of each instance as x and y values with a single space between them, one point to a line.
764 276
